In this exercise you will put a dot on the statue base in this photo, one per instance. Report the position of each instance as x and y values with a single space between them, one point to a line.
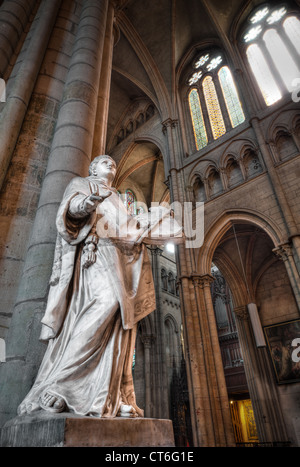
68 430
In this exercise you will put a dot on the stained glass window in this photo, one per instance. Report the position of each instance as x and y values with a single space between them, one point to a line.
231 97
281 57
130 201
197 119
214 63
201 60
259 15
271 55
195 78
253 33
213 107
276 15
207 82
292 29
263 75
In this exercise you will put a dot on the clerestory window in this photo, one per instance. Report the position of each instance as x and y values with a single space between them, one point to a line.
272 40
214 102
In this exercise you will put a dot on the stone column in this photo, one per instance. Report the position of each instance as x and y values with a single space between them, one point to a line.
219 404
147 341
104 87
70 155
209 406
20 90
161 405
263 392
287 215
285 253
14 17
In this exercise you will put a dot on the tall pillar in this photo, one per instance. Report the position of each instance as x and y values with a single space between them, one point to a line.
70 155
14 17
287 215
20 90
222 430
263 392
104 87
161 406
147 341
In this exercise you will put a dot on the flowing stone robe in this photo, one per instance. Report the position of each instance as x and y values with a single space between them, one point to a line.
101 286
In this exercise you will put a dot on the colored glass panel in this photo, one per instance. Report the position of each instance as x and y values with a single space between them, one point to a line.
263 75
282 58
197 119
231 97
292 28
213 108
130 201
202 60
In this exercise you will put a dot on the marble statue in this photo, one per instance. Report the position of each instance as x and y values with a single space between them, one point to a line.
101 287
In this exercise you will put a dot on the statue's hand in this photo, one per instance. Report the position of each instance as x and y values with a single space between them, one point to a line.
91 202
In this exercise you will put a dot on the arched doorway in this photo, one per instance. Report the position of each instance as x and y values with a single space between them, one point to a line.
245 255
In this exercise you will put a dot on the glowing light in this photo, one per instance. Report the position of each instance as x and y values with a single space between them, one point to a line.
202 60
170 247
259 15
214 63
252 34
263 75
282 58
292 29
195 78
276 16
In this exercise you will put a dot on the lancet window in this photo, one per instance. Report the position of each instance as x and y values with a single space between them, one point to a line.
130 201
214 102
272 41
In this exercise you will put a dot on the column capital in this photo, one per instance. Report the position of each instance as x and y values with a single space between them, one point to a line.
169 123
202 280
147 340
241 312
283 251
156 250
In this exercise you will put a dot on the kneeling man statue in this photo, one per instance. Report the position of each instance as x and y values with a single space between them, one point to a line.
101 286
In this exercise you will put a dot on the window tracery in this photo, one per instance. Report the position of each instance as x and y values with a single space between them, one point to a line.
214 103
272 48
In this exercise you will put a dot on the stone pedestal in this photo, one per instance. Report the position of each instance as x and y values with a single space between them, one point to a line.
67 430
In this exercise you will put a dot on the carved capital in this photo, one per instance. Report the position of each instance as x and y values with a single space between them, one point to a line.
241 312
283 251
147 340
202 281
169 123
156 251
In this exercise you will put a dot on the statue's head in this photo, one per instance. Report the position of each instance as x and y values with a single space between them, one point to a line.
103 167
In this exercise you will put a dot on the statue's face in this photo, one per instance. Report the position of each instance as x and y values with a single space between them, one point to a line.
105 168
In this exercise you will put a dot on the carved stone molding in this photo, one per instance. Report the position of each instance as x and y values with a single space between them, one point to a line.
202 281
147 340
241 312
283 251
169 123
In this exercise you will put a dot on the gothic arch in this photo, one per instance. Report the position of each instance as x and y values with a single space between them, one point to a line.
220 226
